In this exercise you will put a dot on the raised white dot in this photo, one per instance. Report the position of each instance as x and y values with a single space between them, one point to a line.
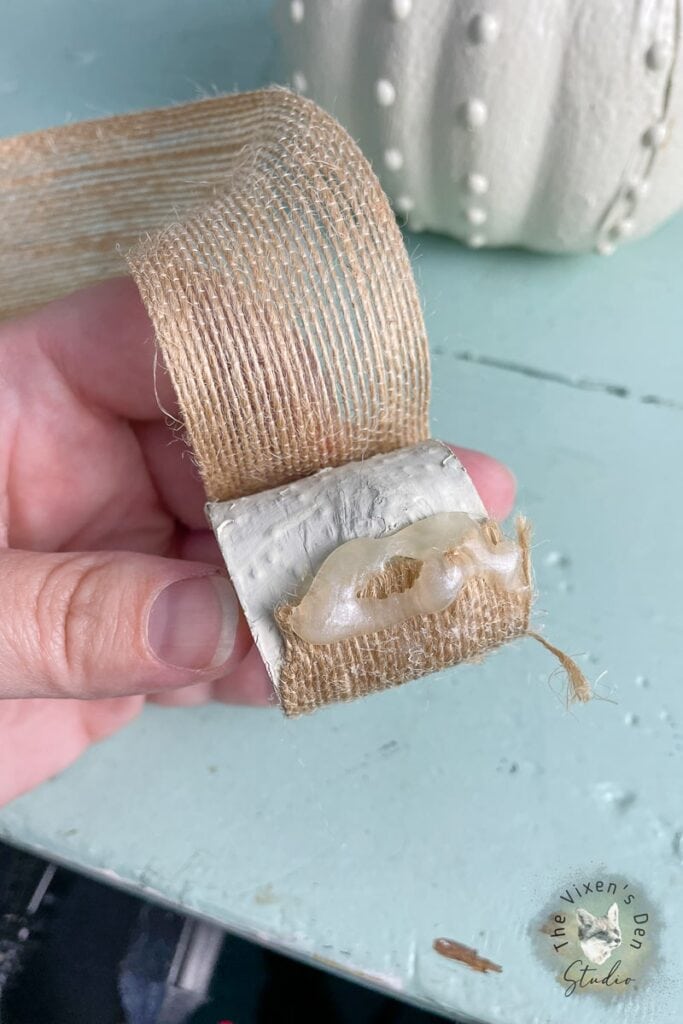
385 94
557 558
657 56
477 184
299 81
393 158
473 113
400 9
623 228
636 190
476 215
297 11
483 28
476 240
613 795
404 204
605 247
655 135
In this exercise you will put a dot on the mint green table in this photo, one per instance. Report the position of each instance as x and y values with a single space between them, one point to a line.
461 804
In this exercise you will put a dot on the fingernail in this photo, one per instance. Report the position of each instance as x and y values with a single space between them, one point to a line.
193 622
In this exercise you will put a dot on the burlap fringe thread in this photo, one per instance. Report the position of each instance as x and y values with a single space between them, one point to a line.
285 308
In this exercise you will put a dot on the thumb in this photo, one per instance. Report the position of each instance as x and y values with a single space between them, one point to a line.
101 624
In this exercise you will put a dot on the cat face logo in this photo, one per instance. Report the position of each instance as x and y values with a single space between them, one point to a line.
598 936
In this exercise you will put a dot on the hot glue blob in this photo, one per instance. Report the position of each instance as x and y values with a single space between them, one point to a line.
448 549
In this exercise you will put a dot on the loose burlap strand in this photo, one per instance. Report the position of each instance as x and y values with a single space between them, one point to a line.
284 306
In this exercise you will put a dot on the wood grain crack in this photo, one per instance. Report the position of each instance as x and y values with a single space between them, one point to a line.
566 380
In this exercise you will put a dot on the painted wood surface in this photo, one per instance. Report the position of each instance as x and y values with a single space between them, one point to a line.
459 805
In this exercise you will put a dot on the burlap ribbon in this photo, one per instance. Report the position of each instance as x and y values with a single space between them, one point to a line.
282 300
286 308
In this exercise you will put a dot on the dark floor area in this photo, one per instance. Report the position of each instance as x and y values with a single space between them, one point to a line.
74 951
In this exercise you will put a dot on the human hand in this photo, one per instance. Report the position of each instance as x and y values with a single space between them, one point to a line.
111 587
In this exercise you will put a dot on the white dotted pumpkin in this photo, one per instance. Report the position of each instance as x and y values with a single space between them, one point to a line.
552 124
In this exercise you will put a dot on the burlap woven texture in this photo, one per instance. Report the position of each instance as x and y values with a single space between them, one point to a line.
284 306
74 199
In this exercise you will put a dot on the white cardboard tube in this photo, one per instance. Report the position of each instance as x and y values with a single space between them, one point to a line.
274 542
